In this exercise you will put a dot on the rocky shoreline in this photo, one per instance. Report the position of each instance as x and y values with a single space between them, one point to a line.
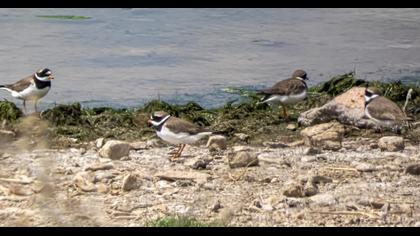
70 166
358 185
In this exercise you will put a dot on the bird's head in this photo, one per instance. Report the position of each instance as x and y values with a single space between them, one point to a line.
44 74
300 74
158 117
371 93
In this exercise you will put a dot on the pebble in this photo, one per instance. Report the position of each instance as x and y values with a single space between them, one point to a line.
100 176
364 167
391 143
216 206
82 182
102 188
294 190
310 189
217 142
324 199
115 149
291 127
138 145
274 144
99 142
308 159
311 151
242 136
295 202
129 182
413 169
101 166
242 159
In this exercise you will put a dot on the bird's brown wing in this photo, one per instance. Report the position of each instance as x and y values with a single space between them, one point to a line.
286 87
21 84
178 125
384 109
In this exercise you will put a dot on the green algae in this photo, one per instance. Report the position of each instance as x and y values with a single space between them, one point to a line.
338 84
9 111
243 115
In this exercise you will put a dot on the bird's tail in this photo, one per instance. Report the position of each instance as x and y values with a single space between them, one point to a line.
5 88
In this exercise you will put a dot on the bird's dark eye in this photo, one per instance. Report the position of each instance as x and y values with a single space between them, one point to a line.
367 93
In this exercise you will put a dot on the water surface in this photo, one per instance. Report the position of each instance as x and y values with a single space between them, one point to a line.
125 57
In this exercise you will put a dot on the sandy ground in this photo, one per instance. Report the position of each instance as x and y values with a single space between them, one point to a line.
359 185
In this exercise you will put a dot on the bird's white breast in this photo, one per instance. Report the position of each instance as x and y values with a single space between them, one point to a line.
288 99
31 93
179 138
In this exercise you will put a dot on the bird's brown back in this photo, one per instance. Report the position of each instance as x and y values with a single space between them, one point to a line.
21 84
384 109
178 125
286 87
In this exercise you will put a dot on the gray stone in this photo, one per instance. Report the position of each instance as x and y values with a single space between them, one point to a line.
322 200
242 159
295 202
217 142
291 127
99 142
21 190
82 181
317 179
370 202
308 159
310 189
413 169
115 149
347 108
103 176
129 182
173 175
364 167
138 145
101 166
325 136
274 144
242 136
294 190
391 143
102 188
311 151
216 206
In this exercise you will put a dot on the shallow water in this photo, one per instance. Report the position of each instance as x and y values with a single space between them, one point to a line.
125 57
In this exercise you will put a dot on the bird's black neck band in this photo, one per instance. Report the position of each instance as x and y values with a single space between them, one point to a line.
41 84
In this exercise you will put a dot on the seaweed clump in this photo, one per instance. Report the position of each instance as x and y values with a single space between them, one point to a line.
338 84
90 123
260 122
9 111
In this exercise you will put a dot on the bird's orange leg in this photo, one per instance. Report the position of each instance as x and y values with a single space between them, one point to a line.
285 116
173 152
178 154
